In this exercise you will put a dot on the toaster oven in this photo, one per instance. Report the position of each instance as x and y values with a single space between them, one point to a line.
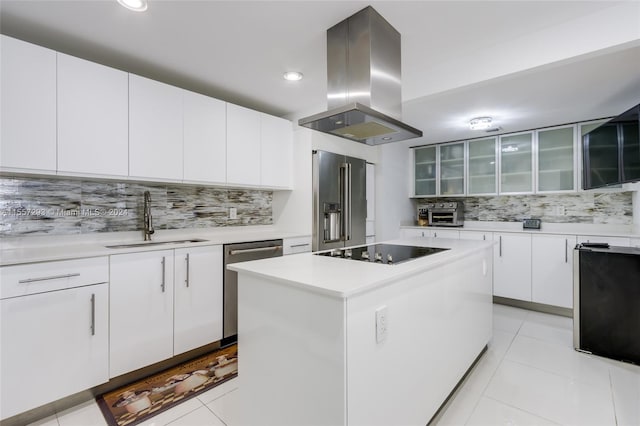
446 214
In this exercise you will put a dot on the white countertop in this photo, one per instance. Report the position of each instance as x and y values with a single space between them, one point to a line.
627 231
50 248
343 278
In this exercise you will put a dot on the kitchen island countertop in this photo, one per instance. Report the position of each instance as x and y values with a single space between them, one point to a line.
344 277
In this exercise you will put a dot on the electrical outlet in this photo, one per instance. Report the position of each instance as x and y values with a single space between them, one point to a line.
233 213
381 324
561 211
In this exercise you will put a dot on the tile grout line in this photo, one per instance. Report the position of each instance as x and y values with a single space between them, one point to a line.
613 399
520 409
214 413
484 389
185 414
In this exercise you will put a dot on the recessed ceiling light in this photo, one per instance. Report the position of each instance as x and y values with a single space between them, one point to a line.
293 75
480 123
135 5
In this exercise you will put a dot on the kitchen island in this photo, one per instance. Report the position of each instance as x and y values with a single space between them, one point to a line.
331 341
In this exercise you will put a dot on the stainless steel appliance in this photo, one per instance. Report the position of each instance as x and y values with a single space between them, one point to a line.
339 201
390 254
446 214
606 297
234 253
363 81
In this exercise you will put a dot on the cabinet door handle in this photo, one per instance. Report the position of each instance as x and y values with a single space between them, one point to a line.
566 250
300 245
435 235
484 237
187 280
162 286
93 314
500 245
52 277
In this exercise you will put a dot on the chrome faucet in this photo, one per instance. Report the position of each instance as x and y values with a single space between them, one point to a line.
148 220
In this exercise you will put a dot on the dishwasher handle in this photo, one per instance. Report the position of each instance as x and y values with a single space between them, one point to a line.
255 250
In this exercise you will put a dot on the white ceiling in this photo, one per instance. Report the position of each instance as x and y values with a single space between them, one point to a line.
527 63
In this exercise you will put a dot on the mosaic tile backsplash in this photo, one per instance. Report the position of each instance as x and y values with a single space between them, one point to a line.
45 206
613 208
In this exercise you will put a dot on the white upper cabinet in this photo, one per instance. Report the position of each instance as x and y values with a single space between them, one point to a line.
205 138
556 159
28 97
243 146
92 118
482 167
69 116
516 163
276 151
259 149
155 129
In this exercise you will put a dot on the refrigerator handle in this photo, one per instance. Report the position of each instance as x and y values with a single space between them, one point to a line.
345 201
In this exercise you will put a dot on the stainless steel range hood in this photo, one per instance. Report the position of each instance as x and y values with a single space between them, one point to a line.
363 82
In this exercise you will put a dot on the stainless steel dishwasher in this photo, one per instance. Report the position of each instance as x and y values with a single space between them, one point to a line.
234 253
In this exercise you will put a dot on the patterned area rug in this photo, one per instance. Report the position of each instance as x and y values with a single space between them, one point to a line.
138 401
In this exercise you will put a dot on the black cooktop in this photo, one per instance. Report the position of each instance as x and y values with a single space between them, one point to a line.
390 254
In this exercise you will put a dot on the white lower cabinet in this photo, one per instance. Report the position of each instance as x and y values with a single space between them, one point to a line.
413 233
53 343
444 233
552 269
141 310
476 235
154 316
198 297
512 266
296 245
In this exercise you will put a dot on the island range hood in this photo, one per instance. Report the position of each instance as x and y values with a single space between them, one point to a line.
363 82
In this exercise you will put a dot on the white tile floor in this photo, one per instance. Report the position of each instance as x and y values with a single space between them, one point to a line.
530 375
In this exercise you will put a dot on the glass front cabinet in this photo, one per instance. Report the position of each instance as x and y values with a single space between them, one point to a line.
557 159
516 163
482 167
451 177
425 172
540 161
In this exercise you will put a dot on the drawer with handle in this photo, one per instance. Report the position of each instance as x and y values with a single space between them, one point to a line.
296 245
32 278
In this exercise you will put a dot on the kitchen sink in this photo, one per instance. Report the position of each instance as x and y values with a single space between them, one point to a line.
155 243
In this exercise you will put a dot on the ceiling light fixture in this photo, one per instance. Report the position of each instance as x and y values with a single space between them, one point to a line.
293 75
135 5
480 123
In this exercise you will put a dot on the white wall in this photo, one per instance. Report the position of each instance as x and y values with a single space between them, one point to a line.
393 205
292 209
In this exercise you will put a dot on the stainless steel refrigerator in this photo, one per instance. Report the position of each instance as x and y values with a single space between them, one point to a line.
339 201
